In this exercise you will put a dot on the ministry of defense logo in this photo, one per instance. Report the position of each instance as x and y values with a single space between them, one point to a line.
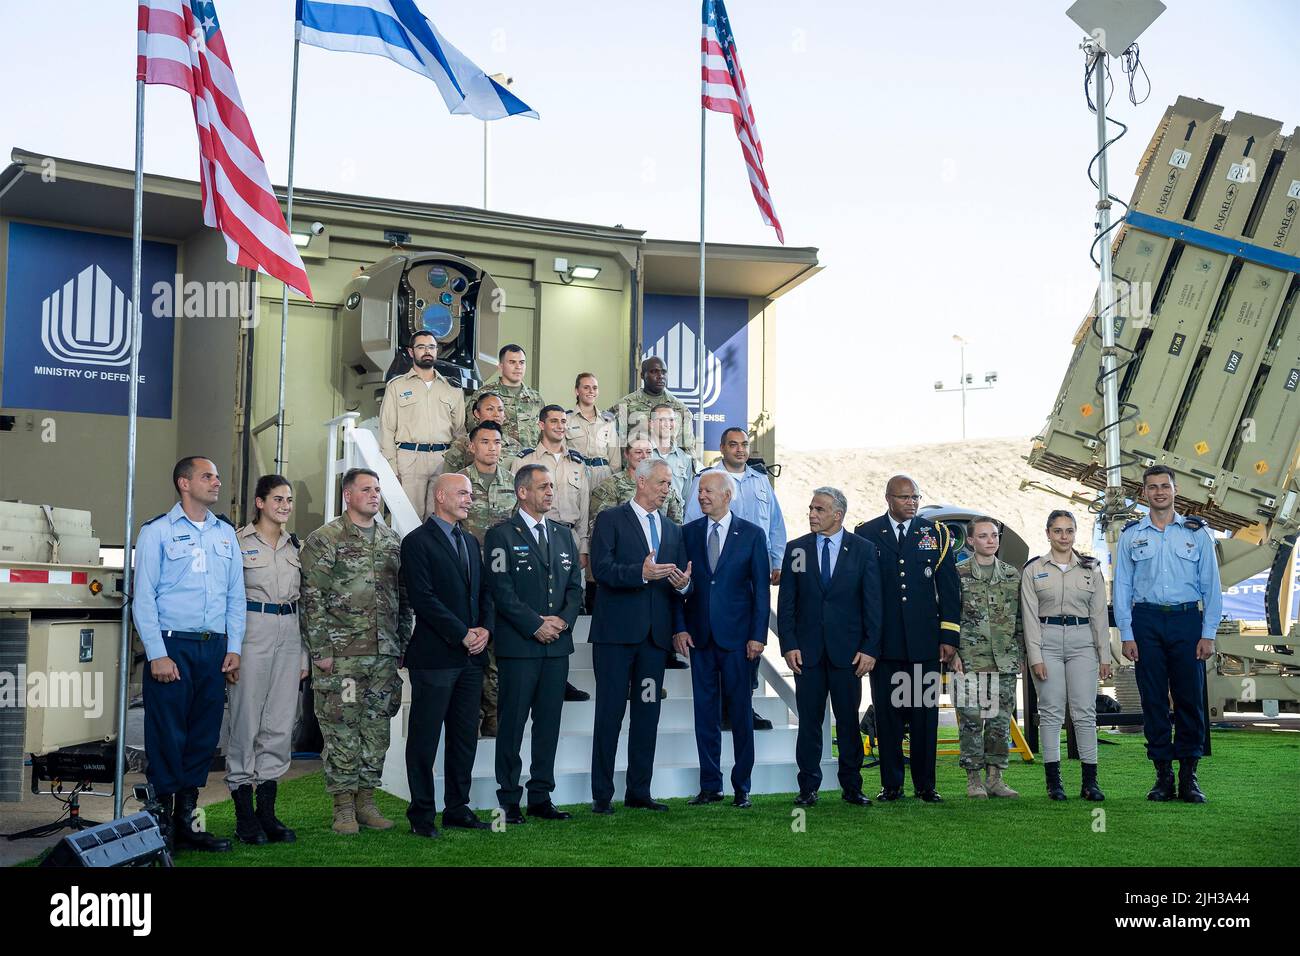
87 321
679 349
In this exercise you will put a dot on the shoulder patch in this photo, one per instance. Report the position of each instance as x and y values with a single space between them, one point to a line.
1193 524
226 520
293 540
1132 524
1030 561
155 518
574 456
525 452
1087 561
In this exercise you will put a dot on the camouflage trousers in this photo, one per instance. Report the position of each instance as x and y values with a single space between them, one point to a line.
985 704
354 704
491 686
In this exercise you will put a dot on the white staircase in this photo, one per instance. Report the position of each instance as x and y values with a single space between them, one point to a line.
677 766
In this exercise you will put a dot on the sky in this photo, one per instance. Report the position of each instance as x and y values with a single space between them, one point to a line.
933 153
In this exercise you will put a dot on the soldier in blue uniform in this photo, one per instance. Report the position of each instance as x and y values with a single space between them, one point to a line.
921 629
1168 600
188 604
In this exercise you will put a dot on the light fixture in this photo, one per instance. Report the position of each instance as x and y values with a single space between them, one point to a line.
301 239
568 273
584 272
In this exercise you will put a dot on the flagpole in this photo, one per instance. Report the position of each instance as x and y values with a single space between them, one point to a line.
701 351
284 295
124 646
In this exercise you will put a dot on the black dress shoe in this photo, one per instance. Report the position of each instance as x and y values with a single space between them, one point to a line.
930 796
572 693
858 799
637 803
425 830
466 822
602 807
515 815
548 811
806 798
705 796
888 794
741 800
761 723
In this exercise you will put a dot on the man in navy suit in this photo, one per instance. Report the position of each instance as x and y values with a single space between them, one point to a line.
921 598
641 576
726 628
828 622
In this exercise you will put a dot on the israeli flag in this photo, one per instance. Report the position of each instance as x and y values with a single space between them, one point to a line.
398 30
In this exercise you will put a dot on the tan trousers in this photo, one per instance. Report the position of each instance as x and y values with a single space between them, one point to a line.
264 704
1072 673
417 471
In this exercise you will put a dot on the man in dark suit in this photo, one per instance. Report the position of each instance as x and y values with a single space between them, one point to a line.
726 623
921 598
536 582
641 576
443 570
828 622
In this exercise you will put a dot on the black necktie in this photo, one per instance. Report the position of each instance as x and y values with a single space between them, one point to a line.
540 528
901 533
460 547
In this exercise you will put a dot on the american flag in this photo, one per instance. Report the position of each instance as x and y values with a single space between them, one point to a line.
180 44
724 90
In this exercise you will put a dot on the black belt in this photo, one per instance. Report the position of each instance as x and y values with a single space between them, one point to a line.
195 635
1064 621
1170 608
411 446
290 608
596 462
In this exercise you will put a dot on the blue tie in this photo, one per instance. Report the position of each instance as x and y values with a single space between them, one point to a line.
826 563
654 533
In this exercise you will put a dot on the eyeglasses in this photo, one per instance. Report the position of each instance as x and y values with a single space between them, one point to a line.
907 497
424 348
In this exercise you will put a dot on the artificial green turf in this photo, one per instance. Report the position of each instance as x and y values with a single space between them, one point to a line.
1253 782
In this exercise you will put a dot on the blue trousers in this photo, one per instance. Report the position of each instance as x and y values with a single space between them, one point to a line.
717 675
182 719
1167 667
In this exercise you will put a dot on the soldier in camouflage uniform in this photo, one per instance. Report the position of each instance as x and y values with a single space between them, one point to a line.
487 407
493 487
522 403
620 488
988 662
356 624
632 413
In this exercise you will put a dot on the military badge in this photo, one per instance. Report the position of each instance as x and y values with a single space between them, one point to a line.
929 571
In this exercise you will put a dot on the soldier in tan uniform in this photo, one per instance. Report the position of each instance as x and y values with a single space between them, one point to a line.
264 703
493 489
572 488
419 417
593 434
632 413
522 403
1067 643
487 407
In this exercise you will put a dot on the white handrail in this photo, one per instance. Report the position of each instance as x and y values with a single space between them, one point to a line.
360 449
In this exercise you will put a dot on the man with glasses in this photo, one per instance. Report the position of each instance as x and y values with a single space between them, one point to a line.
921 599
419 417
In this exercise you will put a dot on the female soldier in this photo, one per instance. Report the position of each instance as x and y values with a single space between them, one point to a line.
989 660
1067 641
264 702
592 433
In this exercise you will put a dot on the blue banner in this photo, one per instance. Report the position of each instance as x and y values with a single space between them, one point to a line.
1245 601
671 332
67 341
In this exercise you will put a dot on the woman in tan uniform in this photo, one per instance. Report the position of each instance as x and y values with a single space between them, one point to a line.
593 434
264 702
1067 644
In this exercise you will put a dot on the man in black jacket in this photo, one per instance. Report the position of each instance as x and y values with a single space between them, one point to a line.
642 574
443 571
536 582
921 598
828 622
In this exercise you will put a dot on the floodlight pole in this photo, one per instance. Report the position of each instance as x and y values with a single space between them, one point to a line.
1106 290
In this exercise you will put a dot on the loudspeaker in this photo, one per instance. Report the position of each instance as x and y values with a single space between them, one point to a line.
130 841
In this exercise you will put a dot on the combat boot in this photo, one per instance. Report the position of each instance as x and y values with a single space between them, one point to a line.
345 814
996 786
247 828
1090 790
162 810
1054 788
368 814
1188 791
975 786
1163 789
488 726
275 831
185 836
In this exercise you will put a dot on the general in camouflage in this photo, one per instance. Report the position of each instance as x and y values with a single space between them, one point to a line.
523 405
992 655
619 489
494 499
354 706
459 456
632 415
